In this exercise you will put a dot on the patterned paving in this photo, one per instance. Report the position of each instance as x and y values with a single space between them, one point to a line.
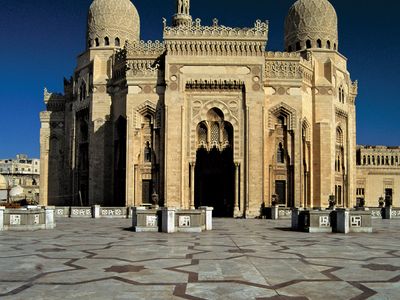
240 259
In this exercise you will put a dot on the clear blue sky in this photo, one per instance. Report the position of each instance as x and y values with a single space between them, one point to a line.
40 40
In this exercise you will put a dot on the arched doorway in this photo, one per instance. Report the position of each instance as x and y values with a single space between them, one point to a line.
215 170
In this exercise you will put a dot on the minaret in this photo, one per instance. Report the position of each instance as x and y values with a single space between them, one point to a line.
182 16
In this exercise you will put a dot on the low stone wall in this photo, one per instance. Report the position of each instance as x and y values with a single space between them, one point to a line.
29 218
312 220
170 220
338 221
385 212
353 221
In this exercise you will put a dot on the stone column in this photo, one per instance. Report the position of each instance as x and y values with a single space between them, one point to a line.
2 209
192 184
49 212
168 219
237 198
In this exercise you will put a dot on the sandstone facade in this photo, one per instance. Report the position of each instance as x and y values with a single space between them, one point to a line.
208 116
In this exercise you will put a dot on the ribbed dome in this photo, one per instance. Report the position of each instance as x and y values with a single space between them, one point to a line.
311 24
112 22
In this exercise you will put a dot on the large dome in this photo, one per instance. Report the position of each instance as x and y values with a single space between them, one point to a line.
112 22
311 24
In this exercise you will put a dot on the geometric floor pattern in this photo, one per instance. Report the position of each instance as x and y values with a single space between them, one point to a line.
239 259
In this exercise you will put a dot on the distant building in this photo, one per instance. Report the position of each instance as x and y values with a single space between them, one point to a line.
24 172
378 174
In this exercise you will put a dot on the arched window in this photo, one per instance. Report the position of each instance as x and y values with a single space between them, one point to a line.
106 41
90 43
298 46
369 160
387 160
364 160
280 155
308 44
339 136
334 46
147 152
328 44
379 160
117 42
373 160
202 135
97 43
290 49
392 160
319 43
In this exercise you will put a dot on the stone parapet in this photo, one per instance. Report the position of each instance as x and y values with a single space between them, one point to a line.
29 218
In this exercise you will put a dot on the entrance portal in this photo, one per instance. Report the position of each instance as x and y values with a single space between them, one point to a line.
215 181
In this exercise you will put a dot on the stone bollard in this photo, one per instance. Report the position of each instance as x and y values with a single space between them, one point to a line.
96 211
50 220
208 211
295 218
275 212
168 219
2 209
342 221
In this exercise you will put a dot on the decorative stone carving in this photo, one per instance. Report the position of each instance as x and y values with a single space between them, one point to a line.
194 39
286 110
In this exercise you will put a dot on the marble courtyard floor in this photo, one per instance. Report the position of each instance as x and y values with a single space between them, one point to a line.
240 259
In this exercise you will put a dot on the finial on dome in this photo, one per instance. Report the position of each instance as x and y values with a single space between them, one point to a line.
182 16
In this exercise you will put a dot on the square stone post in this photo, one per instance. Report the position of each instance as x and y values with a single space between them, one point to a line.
50 220
342 221
134 214
96 211
274 212
295 218
2 209
168 219
208 211
388 213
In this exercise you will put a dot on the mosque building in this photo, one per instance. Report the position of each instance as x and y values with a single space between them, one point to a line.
206 117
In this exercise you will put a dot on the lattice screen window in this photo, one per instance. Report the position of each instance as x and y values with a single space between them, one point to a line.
215 134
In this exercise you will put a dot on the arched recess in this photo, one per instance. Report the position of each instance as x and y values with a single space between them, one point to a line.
214 168
306 162
120 138
340 167
147 165
282 125
228 117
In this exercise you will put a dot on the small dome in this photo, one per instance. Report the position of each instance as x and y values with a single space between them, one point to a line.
311 24
112 22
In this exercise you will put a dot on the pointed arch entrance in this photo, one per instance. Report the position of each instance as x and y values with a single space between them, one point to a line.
215 169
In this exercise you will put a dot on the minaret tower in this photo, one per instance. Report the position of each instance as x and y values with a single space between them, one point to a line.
182 16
